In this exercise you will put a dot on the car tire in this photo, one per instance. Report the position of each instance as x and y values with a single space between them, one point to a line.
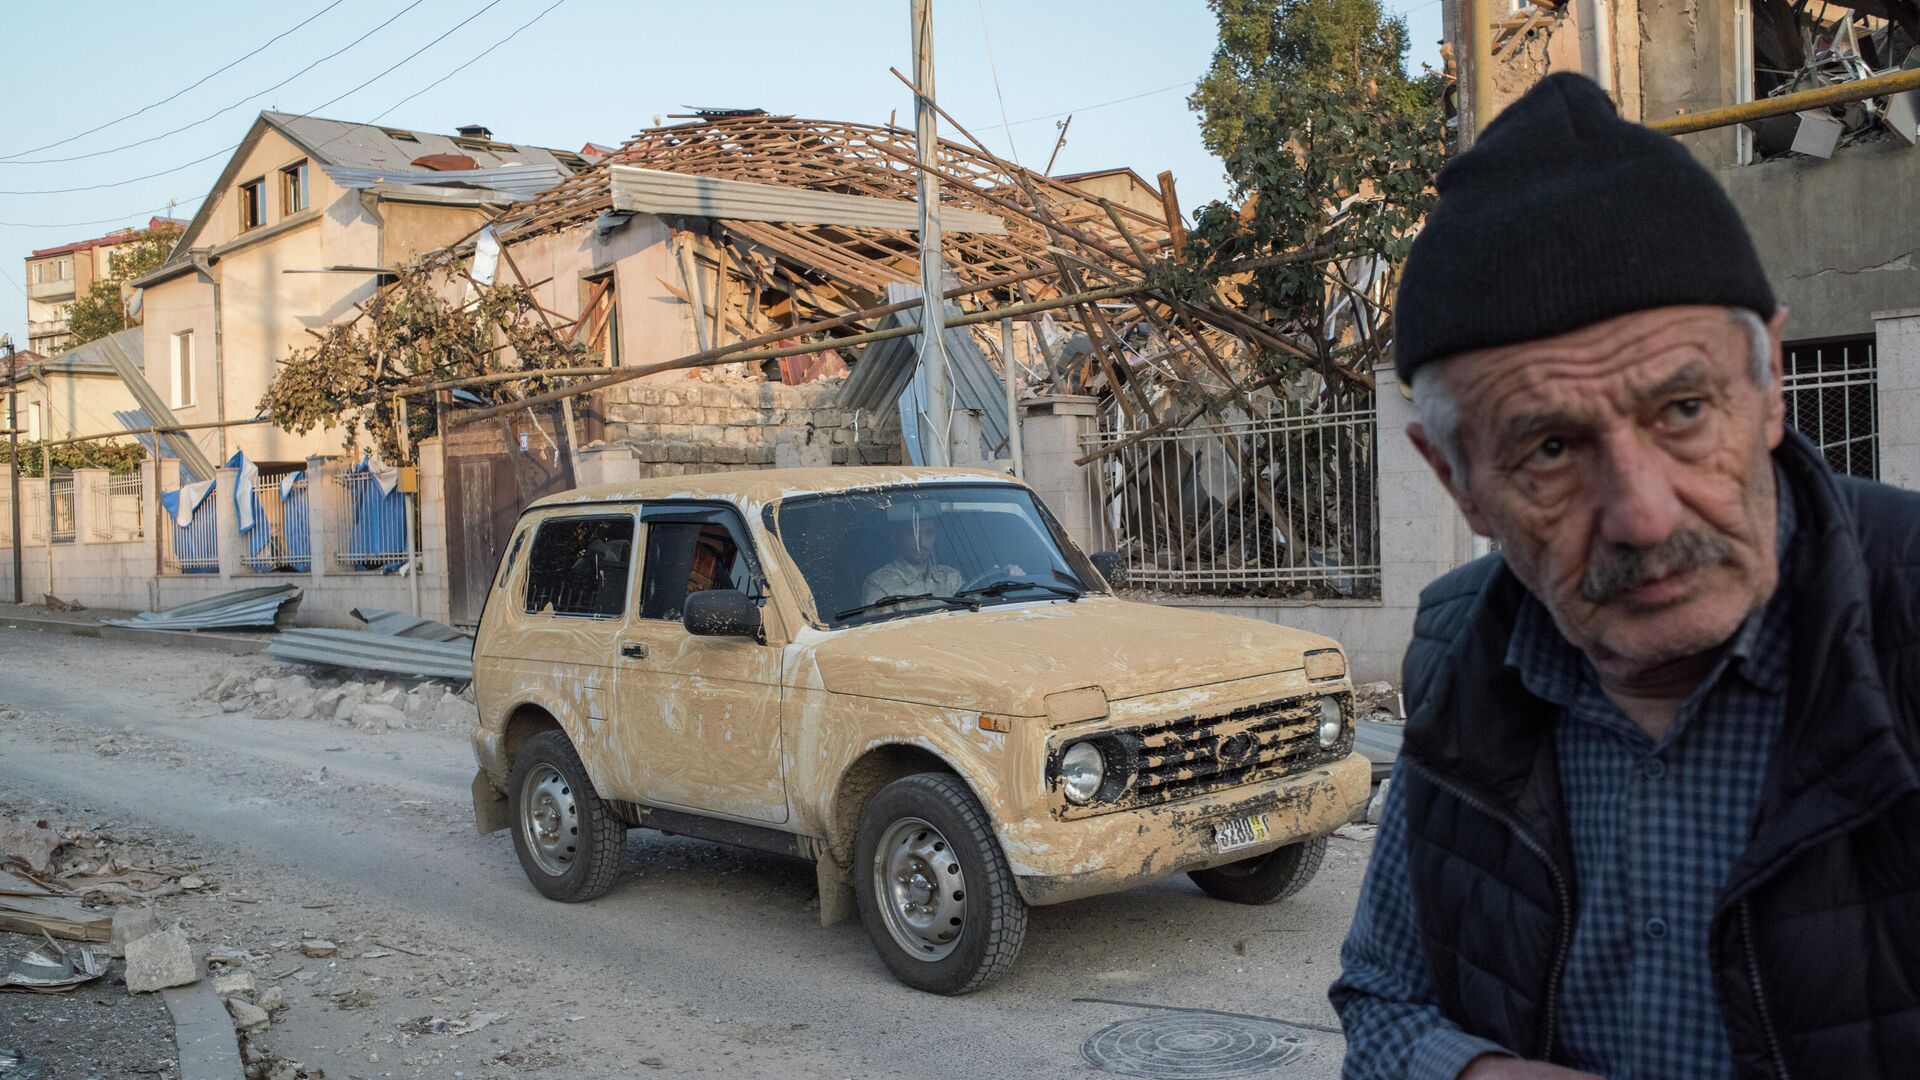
569 842
919 838
1264 879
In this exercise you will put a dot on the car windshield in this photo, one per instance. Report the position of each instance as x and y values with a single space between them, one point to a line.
896 552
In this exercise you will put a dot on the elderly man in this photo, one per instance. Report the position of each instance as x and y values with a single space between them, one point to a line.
1658 813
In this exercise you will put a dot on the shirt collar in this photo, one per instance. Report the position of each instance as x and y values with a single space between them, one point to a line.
1553 670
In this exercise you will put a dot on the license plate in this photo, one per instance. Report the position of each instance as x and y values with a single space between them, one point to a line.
1240 832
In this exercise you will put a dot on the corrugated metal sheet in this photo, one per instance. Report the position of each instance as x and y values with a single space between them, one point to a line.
243 608
885 369
656 192
407 625
1379 743
362 651
516 181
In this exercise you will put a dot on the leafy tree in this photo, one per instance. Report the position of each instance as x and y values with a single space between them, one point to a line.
1330 149
99 311
112 455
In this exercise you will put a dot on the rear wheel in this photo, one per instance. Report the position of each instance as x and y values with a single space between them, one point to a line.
1264 879
569 842
934 889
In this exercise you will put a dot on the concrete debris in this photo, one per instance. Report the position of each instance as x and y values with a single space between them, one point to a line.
1378 801
318 948
358 997
129 924
375 716
54 603
273 999
238 984
159 960
247 1017
374 706
465 1024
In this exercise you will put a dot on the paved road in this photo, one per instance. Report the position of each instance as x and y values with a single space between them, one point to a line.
705 960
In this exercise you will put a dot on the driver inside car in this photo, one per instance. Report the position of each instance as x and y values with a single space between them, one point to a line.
914 571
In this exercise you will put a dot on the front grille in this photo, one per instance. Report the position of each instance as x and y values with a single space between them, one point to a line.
1173 759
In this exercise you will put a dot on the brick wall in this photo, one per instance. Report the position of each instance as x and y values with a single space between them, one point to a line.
680 426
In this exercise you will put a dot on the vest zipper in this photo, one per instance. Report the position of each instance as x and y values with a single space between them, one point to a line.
1759 994
1561 892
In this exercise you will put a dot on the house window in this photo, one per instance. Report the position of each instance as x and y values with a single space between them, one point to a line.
598 320
33 421
253 204
579 567
293 189
33 273
181 370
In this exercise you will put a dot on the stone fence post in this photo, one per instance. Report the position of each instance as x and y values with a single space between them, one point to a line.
1897 355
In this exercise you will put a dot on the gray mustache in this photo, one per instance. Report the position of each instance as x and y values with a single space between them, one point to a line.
1617 568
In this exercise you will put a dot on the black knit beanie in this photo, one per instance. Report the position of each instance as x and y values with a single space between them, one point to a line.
1563 215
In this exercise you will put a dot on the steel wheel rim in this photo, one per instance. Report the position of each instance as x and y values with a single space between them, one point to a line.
549 819
920 889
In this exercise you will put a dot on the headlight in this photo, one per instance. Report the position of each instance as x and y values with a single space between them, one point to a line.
1082 768
1332 721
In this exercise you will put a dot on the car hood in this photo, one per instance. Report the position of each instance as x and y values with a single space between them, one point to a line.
1009 659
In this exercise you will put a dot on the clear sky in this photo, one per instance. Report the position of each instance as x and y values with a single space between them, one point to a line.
594 70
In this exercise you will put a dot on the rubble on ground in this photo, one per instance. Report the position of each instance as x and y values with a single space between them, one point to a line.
160 960
381 705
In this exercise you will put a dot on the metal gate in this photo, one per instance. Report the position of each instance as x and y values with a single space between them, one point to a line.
1832 399
494 470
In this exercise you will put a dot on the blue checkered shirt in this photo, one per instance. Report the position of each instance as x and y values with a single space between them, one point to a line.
1655 828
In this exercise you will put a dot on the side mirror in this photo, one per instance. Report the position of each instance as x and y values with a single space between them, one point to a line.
722 613
1112 566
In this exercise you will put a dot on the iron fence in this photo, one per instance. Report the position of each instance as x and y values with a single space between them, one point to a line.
1832 397
277 540
193 548
366 522
62 520
1278 505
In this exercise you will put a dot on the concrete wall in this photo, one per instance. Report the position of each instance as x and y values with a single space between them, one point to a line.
1897 351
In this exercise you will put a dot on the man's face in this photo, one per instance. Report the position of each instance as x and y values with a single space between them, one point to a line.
1625 471
916 540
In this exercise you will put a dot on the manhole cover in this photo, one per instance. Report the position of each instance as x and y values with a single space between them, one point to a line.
1192 1046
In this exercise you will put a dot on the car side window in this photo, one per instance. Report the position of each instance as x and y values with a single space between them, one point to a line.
580 567
685 557
506 564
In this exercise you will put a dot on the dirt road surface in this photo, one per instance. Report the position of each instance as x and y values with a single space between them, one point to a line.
704 961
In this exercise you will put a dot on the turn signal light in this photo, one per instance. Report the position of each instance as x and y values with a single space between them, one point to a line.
995 723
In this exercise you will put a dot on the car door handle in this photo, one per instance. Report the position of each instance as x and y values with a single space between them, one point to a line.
636 650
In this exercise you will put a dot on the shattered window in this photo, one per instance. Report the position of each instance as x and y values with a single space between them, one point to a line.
874 555
579 566
685 557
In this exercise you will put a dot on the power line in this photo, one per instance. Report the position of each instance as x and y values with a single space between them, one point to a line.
1085 108
98 221
217 112
176 93
164 172
994 70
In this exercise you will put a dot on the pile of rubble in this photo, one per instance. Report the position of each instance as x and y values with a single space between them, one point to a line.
380 705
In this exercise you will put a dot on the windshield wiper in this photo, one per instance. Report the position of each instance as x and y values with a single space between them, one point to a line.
1001 588
906 598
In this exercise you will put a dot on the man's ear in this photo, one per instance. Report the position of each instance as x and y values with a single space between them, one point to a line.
1455 484
1776 396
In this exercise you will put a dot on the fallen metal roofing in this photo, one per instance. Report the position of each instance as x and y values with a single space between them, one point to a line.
657 192
515 181
407 625
363 651
242 608
886 368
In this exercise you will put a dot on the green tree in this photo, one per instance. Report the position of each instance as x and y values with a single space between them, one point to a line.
1330 149
99 311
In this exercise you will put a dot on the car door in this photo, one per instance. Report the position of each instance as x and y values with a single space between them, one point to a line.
706 709
564 646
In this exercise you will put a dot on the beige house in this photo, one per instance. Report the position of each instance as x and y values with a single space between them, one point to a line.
56 276
76 393
307 219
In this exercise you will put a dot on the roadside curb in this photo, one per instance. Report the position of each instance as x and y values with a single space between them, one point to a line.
203 1032
192 639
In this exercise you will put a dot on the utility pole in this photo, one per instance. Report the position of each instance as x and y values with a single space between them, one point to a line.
937 423
13 457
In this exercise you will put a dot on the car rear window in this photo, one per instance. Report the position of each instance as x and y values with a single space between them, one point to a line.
580 567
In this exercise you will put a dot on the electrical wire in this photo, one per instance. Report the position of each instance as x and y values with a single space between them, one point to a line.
994 69
1090 108
164 172
99 221
223 109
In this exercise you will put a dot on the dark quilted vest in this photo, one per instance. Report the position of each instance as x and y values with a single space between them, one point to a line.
1815 942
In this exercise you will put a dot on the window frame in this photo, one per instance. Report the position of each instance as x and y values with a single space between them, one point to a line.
701 512
180 370
257 199
294 179
533 543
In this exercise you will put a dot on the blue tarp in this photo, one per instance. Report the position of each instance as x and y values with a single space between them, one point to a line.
379 533
256 529
293 508
196 545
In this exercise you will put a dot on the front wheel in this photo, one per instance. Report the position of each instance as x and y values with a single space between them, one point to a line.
1264 879
569 842
934 889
